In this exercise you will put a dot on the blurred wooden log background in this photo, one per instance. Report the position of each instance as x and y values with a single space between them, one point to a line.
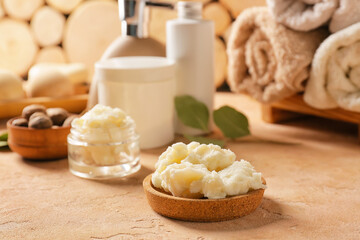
33 31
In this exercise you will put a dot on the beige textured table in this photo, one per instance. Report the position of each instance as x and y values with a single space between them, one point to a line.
313 190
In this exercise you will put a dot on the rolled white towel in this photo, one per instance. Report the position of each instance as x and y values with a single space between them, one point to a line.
335 74
306 15
268 60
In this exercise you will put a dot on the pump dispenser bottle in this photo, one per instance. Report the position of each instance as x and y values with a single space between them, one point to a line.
134 41
190 43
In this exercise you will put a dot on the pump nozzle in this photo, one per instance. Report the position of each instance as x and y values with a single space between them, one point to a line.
134 16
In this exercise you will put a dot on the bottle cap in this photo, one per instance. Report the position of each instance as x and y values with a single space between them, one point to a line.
190 10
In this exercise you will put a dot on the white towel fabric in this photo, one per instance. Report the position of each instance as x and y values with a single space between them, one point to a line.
335 74
306 15
268 60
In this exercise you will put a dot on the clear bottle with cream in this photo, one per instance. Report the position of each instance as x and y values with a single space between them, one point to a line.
190 43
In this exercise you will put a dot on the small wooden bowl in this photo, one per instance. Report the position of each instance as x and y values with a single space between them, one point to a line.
38 144
201 210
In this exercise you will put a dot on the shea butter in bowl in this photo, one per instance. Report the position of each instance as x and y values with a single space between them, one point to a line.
198 182
38 144
40 133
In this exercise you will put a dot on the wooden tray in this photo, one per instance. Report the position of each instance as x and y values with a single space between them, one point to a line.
295 106
74 104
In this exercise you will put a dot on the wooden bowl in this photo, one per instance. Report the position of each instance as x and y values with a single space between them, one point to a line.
38 144
201 210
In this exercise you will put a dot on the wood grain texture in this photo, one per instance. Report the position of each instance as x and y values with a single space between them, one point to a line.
157 25
174 1
220 62
22 9
203 1
201 210
47 26
276 115
64 6
18 48
296 104
85 42
219 14
74 104
226 34
52 54
237 6
2 13
295 107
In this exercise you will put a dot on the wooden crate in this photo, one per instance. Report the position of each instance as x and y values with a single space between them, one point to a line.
295 106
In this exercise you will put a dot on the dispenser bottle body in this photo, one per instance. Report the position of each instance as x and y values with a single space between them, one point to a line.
125 46
190 43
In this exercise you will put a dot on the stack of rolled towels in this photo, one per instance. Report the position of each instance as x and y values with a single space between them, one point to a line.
292 46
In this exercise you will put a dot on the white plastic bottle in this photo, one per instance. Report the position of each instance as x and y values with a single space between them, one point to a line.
190 43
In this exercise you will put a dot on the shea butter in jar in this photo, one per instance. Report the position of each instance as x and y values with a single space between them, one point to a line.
103 144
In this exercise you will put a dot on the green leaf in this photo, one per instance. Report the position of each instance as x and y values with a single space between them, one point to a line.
4 137
205 140
232 123
3 144
192 112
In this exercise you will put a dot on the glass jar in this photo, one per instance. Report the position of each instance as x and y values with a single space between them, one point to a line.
104 153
